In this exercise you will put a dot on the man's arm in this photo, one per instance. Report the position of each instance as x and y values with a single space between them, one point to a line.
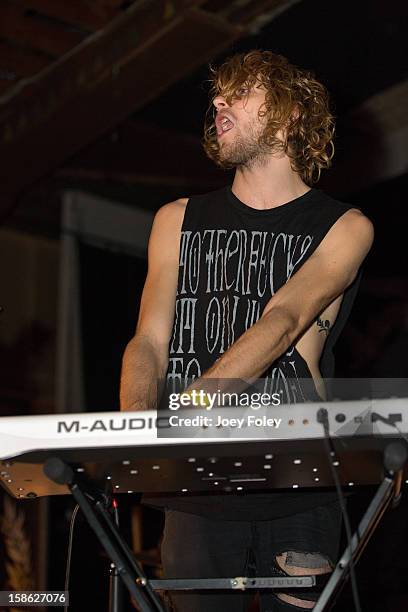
146 356
322 278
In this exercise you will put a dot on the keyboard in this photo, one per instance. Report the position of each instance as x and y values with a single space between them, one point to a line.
229 449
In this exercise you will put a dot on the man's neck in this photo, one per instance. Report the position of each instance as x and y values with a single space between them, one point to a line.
269 184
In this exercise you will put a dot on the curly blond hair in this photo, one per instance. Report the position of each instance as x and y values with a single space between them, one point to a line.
294 99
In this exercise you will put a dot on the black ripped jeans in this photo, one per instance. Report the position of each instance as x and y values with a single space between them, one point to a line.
198 547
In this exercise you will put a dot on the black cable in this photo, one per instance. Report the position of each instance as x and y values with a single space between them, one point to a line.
322 417
69 552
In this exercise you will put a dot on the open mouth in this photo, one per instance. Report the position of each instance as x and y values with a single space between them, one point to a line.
224 124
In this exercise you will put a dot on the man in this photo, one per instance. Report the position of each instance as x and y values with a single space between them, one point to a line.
253 280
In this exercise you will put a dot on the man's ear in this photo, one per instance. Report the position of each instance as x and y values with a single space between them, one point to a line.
292 118
295 114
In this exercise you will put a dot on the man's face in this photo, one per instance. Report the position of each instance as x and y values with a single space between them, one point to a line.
239 128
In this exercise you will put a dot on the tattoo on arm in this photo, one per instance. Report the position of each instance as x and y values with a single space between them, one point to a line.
324 325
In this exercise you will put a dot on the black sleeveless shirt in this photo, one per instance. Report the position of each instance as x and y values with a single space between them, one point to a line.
233 259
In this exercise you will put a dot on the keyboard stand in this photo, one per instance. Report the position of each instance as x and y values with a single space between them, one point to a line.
142 589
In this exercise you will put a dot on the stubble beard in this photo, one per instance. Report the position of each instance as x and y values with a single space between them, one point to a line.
245 151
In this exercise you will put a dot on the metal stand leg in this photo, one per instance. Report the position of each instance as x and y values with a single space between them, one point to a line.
395 456
116 586
115 590
108 535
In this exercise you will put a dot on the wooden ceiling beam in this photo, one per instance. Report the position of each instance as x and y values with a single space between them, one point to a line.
29 30
90 16
255 15
101 83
